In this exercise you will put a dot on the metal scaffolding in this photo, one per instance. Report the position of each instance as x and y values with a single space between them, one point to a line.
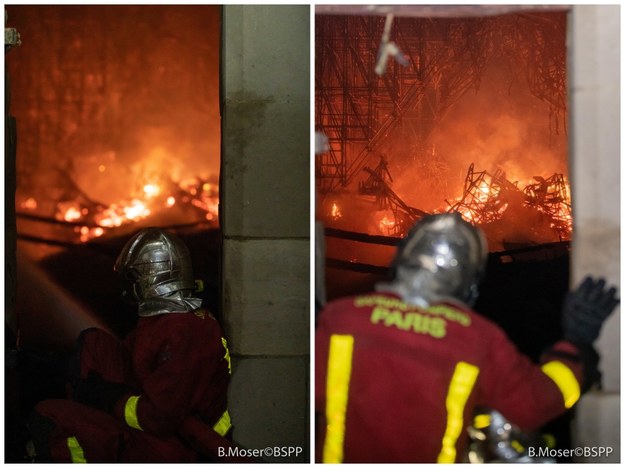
486 197
377 185
358 110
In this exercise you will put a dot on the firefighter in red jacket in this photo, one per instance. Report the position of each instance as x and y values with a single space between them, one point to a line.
161 394
399 371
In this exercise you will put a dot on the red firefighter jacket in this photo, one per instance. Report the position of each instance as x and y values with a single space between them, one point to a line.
398 383
180 361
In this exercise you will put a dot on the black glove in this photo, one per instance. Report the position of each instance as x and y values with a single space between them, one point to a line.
98 393
585 310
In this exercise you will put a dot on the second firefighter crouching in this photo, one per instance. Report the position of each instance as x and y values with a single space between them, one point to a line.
160 395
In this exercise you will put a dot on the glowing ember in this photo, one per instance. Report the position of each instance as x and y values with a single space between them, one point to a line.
29 204
69 211
151 190
487 197
72 214
96 219
335 212
87 233
117 215
387 223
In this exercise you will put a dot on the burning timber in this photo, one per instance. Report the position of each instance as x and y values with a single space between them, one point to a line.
523 223
512 214
491 200
377 186
70 216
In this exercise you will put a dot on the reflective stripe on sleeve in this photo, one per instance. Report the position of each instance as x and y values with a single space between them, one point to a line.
224 424
75 451
337 390
460 388
130 412
565 379
227 355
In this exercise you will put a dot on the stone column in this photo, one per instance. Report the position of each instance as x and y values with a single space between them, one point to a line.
265 219
594 93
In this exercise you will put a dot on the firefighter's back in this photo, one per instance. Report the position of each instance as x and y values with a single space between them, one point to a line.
394 381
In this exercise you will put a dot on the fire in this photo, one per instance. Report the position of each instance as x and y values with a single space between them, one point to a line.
97 219
386 223
151 190
335 212
87 234
486 198
29 204
204 196
116 215
68 211
552 196
72 214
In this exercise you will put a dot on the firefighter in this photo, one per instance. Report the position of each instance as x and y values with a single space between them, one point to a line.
161 394
400 370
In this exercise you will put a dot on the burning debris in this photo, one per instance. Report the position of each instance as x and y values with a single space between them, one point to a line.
553 197
91 219
400 216
513 213
109 142
491 91
486 197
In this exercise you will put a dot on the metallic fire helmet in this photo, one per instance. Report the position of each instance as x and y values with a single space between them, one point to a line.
442 258
155 264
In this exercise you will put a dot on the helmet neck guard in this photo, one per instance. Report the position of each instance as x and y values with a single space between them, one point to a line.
173 304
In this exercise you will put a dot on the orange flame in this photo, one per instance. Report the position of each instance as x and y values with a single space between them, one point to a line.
335 212
386 223
204 196
29 204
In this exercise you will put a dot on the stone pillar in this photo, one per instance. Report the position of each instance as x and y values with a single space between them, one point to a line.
265 219
594 91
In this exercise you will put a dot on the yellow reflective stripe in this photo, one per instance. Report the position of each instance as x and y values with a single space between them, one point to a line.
337 390
565 379
75 450
227 355
224 424
130 412
460 388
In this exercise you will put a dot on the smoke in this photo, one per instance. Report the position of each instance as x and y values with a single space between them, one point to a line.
500 125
